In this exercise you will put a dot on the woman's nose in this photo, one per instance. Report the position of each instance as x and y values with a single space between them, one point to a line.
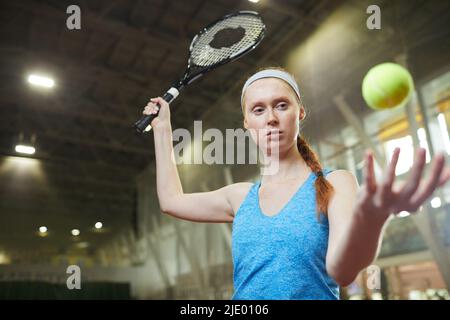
272 117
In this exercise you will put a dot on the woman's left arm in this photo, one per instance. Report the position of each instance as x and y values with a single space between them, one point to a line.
357 215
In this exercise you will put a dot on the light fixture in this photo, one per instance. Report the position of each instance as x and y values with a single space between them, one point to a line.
254 1
403 214
41 81
98 225
43 231
444 131
20 148
75 232
4 258
82 245
436 202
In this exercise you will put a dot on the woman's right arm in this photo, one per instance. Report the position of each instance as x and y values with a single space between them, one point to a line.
213 206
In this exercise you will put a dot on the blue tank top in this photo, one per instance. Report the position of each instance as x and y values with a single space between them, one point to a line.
281 257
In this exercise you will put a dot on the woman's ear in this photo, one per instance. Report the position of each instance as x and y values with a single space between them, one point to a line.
245 123
302 113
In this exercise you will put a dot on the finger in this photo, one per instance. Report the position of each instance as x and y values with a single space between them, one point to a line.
390 175
386 189
147 110
392 166
153 103
412 183
157 103
150 109
445 177
369 174
158 100
428 187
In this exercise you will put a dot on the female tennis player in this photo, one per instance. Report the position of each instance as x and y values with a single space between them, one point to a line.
302 231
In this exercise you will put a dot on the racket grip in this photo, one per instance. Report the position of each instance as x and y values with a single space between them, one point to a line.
143 124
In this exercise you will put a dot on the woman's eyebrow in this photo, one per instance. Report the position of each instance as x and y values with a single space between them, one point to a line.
253 104
282 98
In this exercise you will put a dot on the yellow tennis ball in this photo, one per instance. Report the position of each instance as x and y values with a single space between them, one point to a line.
387 85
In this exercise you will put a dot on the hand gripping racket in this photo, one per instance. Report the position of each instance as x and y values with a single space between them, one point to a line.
223 41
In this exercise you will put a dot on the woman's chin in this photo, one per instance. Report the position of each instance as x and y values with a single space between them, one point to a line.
272 148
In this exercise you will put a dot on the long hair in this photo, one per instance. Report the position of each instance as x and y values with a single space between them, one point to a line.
324 189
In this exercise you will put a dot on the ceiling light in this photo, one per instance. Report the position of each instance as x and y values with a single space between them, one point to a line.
20 148
43 229
82 245
4 258
254 1
403 214
75 232
41 81
436 202
98 225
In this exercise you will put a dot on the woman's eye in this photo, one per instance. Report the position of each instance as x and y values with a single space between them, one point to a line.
258 110
282 106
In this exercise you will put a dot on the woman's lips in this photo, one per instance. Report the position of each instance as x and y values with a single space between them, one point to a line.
274 135
274 132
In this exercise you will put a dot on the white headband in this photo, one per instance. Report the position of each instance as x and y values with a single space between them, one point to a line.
271 73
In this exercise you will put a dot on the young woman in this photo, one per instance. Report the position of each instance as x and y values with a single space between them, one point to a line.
301 231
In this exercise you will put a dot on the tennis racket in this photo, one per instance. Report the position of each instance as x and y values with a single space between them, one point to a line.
223 41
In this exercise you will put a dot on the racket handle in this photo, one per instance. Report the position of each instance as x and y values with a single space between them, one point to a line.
143 124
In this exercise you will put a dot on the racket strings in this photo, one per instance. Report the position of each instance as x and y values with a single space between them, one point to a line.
204 55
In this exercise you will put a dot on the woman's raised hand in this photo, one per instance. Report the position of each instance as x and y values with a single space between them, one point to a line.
154 106
384 198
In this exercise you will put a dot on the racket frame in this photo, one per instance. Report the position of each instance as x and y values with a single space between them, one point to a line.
143 124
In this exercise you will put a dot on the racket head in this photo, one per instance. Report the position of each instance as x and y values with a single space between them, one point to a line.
223 41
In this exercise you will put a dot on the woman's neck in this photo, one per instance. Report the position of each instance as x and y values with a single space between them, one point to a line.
284 167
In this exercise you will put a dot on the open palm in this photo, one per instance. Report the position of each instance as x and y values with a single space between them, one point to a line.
385 198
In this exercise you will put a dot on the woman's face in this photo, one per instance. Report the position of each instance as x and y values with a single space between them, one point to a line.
272 114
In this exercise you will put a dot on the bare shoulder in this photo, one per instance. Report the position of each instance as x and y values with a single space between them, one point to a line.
236 194
239 186
238 189
342 179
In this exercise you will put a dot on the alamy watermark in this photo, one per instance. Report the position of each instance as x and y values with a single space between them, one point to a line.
73 22
236 146
373 281
74 280
374 20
